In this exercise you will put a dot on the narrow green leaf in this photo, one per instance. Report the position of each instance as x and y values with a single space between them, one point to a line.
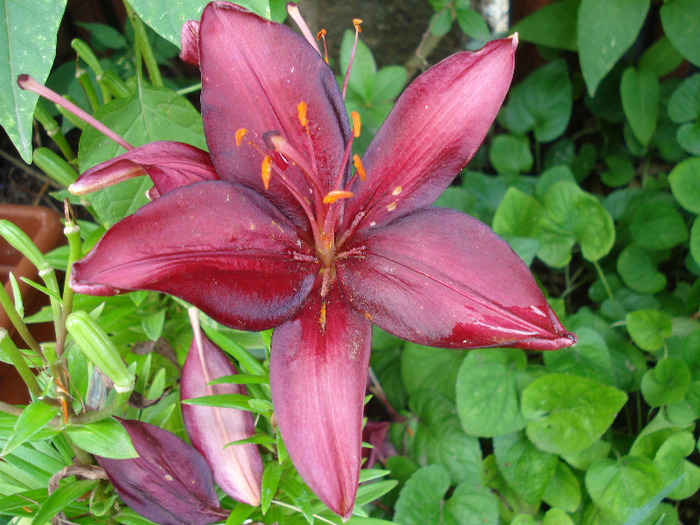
270 481
605 31
64 495
27 46
33 418
106 438
640 92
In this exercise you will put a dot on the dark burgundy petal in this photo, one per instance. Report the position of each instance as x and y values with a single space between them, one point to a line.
237 468
169 164
219 246
254 75
441 278
432 132
318 372
189 42
169 483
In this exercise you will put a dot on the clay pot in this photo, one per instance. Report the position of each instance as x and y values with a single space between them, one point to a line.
44 227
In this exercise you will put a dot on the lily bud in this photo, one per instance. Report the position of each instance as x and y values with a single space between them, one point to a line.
237 468
98 348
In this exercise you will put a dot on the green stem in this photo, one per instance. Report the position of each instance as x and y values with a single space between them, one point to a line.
11 351
72 233
191 89
48 275
144 45
604 281
97 415
53 130
18 323
10 409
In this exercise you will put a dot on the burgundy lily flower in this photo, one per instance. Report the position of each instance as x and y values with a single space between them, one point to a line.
318 249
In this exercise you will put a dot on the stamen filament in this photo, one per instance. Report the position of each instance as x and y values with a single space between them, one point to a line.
356 22
283 147
321 35
28 83
293 11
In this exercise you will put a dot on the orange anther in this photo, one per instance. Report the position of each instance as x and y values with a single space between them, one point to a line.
358 166
322 315
320 34
335 195
267 171
240 133
301 112
356 123
356 22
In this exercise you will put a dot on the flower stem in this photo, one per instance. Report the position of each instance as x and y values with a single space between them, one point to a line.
72 233
145 46
53 130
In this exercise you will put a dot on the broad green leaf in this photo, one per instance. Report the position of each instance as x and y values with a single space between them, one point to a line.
166 17
658 226
684 104
695 240
541 103
567 414
27 46
441 23
553 25
649 328
619 488
585 458
440 440
563 490
517 214
638 270
471 503
420 500
487 394
640 92
666 383
64 495
33 418
620 171
688 137
671 464
527 469
681 23
433 369
685 183
579 214
605 31
589 358
660 58
511 154
471 23
151 114
106 438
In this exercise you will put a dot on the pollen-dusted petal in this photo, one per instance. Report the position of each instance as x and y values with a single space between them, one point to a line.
255 73
219 246
318 373
189 42
169 164
237 468
433 131
169 483
441 278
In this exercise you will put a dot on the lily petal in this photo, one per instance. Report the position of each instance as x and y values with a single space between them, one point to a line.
189 42
237 468
254 75
441 278
318 373
219 246
169 164
432 132
169 483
